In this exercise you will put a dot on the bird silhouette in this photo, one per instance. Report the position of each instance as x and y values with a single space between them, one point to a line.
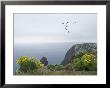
67 22
66 25
66 28
63 23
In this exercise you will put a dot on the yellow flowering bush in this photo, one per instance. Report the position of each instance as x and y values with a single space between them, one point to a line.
28 64
86 62
88 58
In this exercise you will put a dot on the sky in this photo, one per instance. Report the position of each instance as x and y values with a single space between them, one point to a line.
48 28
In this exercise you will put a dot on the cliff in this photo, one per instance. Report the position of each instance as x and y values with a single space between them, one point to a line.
77 49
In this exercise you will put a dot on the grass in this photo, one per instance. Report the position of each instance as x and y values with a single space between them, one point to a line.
72 73
48 72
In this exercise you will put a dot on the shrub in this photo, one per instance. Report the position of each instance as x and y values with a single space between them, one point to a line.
86 62
51 67
78 64
28 64
37 62
59 67
89 62
24 63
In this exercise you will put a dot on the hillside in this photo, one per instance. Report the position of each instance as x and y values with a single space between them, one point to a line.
78 49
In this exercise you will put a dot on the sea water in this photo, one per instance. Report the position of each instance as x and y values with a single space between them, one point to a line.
55 52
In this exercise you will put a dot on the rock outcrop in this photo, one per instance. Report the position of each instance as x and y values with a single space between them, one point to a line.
44 61
77 49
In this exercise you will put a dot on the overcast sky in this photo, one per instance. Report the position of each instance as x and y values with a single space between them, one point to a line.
44 28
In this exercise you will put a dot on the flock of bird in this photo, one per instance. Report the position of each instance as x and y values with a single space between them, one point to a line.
66 25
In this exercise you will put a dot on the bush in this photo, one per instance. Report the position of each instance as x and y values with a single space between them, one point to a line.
51 67
37 62
89 62
59 67
78 64
24 63
86 62
28 64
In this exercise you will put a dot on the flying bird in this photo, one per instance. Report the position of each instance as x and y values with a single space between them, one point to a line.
63 23
67 22
65 28
66 25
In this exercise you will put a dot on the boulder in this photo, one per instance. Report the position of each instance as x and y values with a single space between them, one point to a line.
44 61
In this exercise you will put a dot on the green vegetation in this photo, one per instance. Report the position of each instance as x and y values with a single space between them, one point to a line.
28 64
82 64
51 67
86 62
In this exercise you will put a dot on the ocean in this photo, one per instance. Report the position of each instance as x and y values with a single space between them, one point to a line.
55 52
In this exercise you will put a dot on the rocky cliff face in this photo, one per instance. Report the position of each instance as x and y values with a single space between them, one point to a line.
77 49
